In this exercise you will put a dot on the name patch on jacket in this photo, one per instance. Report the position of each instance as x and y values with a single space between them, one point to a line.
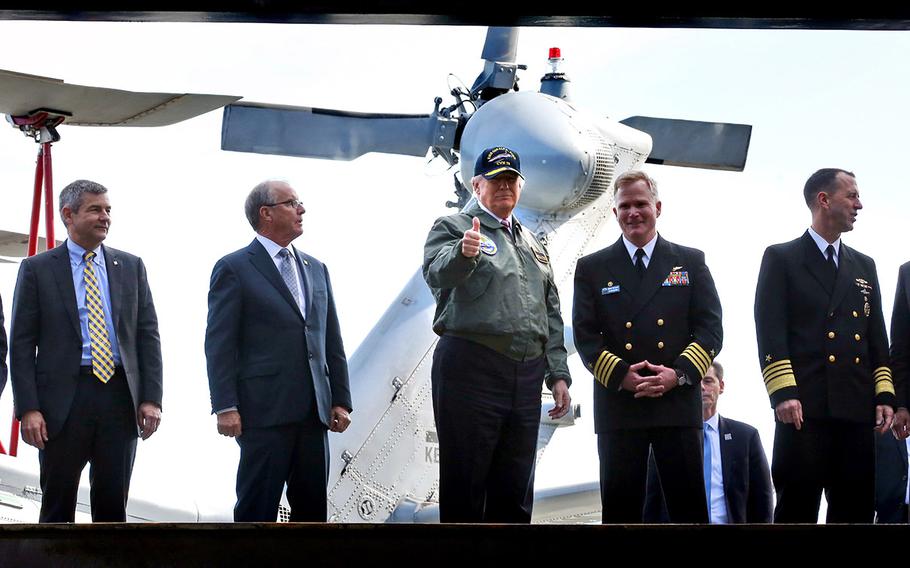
609 290
677 278
487 246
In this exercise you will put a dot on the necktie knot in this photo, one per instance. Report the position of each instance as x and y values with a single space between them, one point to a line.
829 253
88 256
284 253
505 223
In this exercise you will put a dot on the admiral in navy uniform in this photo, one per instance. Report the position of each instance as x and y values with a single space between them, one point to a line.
891 463
824 357
900 352
497 312
647 323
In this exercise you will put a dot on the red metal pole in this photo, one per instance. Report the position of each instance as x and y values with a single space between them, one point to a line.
36 204
14 437
42 167
48 197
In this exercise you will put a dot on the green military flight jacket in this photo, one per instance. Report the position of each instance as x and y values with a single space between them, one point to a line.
504 298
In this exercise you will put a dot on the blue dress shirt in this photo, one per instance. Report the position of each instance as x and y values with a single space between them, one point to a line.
77 265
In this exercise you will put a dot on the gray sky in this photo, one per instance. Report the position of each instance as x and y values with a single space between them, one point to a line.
815 99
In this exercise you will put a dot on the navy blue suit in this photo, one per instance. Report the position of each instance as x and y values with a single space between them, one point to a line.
284 371
747 477
87 420
890 479
2 351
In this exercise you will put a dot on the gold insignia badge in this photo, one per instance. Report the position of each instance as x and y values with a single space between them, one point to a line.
867 309
768 358
712 353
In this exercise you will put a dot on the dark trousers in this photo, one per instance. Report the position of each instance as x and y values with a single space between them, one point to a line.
487 410
100 430
831 455
678 453
293 454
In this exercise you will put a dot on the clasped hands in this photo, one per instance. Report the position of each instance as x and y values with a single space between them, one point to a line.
663 379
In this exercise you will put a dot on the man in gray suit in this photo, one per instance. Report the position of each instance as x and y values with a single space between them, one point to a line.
277 371
85 360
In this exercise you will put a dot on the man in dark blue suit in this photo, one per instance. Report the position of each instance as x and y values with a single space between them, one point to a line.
891 470
2 351
85 360
277 370
740 490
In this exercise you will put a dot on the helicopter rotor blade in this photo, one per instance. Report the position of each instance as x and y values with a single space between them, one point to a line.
330 134
501 44
22 94
694 144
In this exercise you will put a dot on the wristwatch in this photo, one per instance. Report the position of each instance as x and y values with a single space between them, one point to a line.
681 378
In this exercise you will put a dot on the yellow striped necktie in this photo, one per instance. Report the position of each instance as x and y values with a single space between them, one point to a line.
102 355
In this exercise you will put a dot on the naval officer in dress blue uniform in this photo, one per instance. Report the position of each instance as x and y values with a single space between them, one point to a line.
647 324
823 352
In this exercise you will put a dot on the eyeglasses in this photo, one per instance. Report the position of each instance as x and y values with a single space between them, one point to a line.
295 203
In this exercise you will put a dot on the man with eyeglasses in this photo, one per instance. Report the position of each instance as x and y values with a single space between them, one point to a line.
277 369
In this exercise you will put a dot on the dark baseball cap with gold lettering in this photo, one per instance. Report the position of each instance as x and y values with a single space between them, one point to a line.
494 161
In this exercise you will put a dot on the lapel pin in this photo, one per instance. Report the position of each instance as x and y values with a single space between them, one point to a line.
116 263
728 436
306 262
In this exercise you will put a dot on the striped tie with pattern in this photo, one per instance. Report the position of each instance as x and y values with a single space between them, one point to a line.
102 355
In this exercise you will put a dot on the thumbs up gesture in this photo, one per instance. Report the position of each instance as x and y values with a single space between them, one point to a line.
470 244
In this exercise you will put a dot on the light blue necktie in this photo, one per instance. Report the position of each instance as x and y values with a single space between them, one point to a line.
707 451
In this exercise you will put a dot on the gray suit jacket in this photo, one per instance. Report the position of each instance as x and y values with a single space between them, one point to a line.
46 340
258 344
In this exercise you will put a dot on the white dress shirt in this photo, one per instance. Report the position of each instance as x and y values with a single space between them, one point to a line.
907 495
717 508
649 249
497 217
274 250
823 246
